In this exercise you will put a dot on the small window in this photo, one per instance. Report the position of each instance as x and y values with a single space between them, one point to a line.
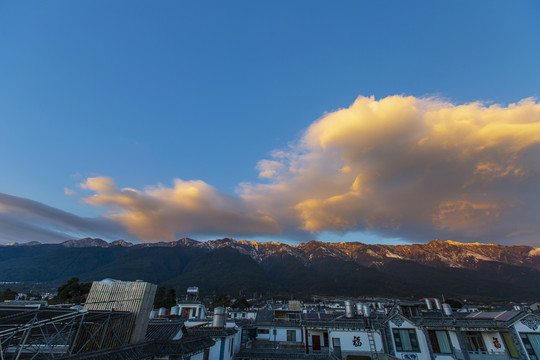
475 342
336 342
263 331
439 342
532 345
406 340
291 335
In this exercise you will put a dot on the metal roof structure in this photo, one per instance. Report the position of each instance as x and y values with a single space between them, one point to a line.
38 332
185 347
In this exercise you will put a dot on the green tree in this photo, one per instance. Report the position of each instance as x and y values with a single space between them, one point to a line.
240 303
221 300
158 299
72 292
455 304
8 294
165 298
169 300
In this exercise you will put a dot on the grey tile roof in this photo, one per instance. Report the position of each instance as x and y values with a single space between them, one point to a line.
163 331
183 347
212 332
265 316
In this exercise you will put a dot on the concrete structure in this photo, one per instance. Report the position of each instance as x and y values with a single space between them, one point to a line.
137 297
401 330
192 310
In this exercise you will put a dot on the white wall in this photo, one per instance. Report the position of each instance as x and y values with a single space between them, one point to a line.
199 356
347 336
422 342
264 336
281 333
214 350
489 337
237 341
522 328
454 340
320 334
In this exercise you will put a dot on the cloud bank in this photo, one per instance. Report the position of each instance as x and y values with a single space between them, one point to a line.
190 207
401 166
414 168
23 220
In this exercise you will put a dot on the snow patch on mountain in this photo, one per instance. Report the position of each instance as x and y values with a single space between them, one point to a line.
534 252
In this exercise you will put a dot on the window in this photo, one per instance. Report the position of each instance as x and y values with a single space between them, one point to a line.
263 331
291 335
336 342
532 345
406 340
439 341
474 341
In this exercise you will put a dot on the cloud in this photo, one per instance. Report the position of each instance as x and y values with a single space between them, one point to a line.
28 220
189 207
411 167
69 192
401 166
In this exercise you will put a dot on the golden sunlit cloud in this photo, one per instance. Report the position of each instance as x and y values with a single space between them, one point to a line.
416 168
190 207
411 167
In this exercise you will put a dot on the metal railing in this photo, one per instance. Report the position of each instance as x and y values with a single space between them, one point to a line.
484 355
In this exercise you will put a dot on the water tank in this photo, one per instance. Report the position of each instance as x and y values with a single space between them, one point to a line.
380 305
193 290
447 309
219 317
437 303
349 309
428 304
175 310
366 310
153 314
359 310
162 312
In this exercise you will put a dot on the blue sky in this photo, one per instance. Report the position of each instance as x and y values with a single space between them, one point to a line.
148 92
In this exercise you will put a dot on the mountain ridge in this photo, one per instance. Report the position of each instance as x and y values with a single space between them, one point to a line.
461 254
344 268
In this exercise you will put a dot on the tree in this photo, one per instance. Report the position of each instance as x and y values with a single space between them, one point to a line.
455 304
72 292
165 298
158 299
8 294
240 303
221 300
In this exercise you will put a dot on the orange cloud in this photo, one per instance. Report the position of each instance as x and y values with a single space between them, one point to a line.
466 215
418 158
190 207
410 167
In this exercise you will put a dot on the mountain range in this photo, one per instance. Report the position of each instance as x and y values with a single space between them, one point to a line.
452 269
